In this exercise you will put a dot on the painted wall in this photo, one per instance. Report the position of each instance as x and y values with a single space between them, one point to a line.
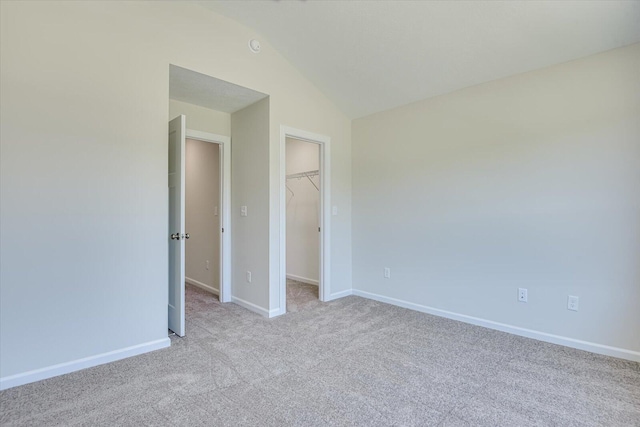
200 118
250 148
83 169
202 211
303 212
531 181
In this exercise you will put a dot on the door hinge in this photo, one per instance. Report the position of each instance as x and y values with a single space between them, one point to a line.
223 229
318 229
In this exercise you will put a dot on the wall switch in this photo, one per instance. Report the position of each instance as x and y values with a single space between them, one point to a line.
243 211
334 210
215 211
572 303
522 295
248 277
207 262
387 273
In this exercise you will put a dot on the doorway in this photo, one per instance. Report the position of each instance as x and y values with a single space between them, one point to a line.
203 213
304 212
303 223
208 196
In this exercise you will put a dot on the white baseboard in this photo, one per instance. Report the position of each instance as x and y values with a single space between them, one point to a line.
340 294
202 286
76 365
302 279
529 333
251 306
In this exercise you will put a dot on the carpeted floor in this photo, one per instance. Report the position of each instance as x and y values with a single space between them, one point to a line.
347 362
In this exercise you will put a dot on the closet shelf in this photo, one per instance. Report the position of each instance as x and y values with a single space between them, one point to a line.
300 175
307 174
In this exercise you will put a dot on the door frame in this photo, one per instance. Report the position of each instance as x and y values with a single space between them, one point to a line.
324 282
225 212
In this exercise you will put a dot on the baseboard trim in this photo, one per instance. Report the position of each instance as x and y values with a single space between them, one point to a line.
76 365
202 286
529 333
251 306
340 294
302 279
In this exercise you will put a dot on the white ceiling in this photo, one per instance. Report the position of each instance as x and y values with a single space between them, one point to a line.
209 92
369 56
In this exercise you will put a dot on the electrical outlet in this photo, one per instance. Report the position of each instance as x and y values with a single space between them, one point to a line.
248 277
243 211
207 262
572 303
387 273
522 295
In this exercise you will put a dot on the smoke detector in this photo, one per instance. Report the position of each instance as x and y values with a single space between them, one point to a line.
254 45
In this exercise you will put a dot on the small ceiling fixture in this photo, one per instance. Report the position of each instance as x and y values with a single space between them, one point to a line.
254 45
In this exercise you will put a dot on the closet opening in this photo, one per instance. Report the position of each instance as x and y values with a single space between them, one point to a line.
303 223
305 219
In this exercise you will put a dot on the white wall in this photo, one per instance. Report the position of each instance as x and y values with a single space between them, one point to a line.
530 181
83 169
202 213
303 212
250 149
201 118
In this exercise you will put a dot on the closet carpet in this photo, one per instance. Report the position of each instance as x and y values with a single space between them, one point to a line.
347 362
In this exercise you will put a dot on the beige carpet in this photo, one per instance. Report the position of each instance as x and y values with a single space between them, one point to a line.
347 362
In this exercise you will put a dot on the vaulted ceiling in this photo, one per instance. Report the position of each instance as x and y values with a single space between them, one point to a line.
370 56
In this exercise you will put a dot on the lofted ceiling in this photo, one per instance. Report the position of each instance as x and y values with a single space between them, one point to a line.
370 56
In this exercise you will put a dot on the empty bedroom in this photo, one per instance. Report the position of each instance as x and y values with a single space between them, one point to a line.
348 213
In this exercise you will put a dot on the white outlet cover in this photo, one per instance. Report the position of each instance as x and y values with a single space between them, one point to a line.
334 210
573 303
523 295
387 273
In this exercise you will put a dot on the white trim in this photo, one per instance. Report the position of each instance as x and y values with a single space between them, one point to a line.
202 285
225 212
516 330
340 294
302 279
252 307
86 362
324 286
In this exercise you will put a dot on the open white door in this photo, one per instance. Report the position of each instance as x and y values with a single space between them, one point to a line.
176 234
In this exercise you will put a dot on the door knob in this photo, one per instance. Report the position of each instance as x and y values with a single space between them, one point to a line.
186 236
175 236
